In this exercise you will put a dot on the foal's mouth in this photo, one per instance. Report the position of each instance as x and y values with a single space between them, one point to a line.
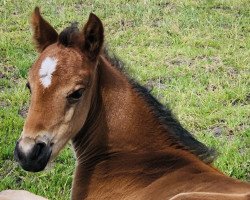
35 159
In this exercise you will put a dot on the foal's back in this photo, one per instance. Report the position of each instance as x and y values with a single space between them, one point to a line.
162 175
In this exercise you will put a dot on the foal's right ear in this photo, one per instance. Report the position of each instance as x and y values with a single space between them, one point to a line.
43 33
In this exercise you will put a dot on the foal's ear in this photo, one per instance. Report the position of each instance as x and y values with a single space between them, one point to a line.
43 33
93 37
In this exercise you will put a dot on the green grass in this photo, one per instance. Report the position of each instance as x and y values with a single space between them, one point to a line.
193 53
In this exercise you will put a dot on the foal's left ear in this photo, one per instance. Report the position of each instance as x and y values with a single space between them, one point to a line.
93 36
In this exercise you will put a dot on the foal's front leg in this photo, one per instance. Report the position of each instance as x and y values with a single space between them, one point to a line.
18 195
210 196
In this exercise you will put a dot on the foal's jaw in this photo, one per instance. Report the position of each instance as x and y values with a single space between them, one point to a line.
60 82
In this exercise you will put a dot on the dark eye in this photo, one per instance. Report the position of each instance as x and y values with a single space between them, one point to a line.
28 86
75 96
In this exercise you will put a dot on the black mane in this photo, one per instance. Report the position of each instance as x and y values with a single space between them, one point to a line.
183 138
65 37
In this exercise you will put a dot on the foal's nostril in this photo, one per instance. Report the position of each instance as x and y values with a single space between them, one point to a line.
18 155
37 150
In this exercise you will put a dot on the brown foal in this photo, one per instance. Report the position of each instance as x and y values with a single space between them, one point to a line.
128 145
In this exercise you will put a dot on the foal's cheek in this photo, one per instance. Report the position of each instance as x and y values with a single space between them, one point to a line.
80 115
69 115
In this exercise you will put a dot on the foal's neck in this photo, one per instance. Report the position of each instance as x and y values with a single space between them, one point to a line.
121 120
131 125
120 126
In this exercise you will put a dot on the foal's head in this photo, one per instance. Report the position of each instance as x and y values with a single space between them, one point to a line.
61 82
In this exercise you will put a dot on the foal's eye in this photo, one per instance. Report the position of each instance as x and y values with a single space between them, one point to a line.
75 96
28 86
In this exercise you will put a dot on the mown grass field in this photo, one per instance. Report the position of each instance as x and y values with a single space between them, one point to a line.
194 54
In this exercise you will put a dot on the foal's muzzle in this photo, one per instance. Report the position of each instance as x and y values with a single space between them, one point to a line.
35 159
